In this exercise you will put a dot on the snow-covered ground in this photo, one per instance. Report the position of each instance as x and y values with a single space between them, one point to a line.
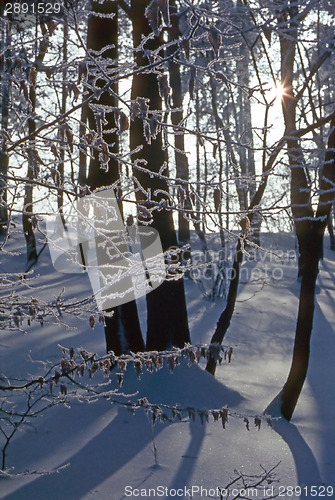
103 451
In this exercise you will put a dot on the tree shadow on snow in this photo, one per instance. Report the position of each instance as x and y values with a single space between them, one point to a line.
320 376
126 436
307 469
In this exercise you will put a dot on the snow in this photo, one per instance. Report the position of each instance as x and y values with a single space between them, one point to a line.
103 451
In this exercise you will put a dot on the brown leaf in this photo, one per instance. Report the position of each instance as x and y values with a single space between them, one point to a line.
181 195
35 158
74 89
69 136
55 176
24 89
32 75
89 138
17 62
123 122
229 354
144 106
215 415
139 107
245 223
214 38
54 150
224 417
104 155
258 422
92 321
147 132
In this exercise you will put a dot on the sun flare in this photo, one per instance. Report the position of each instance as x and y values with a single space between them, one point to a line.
279 91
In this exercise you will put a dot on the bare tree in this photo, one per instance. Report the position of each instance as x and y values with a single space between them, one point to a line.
167 315
309 226
5 82
122 327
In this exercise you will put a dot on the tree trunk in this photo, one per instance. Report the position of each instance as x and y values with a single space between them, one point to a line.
34 161
225 318
166 305
309 228
122 326
176 118
311 250
301 351
5 80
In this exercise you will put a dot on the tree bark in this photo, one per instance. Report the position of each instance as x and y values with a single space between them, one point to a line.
309 227
167 323
225 318
122 326
311 248
34 161
5 82
182 167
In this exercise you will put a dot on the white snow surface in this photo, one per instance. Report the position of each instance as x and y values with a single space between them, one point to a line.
103 451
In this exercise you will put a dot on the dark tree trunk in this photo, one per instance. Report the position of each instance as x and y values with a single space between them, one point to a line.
330 227
5 82
181 159
122 326
166 305
309 227
301 351
311 246
225 318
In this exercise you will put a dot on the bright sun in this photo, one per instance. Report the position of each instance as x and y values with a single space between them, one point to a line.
279 91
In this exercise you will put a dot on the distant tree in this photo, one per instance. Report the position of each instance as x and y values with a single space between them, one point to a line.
33 156
5 83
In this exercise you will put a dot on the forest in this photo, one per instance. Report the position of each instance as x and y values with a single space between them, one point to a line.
167 173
